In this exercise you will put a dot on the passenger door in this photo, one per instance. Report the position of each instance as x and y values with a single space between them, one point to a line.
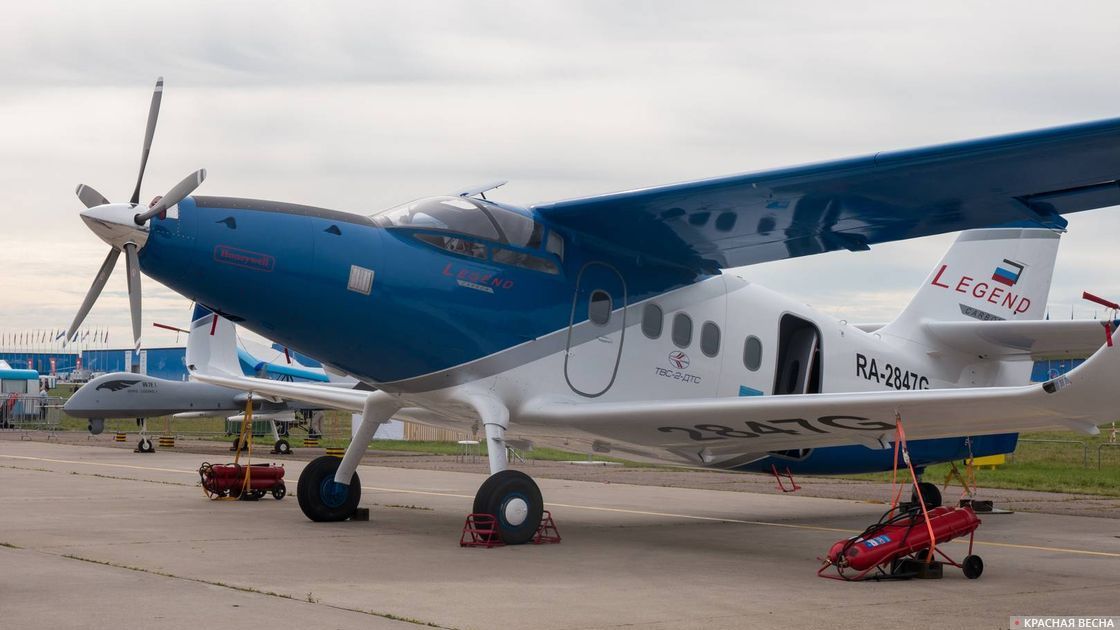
595 330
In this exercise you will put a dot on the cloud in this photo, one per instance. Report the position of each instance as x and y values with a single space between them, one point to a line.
360 106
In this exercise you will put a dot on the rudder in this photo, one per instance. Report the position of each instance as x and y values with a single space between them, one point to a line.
990 274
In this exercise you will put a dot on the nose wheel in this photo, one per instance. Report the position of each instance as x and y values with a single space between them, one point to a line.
321 498
515 502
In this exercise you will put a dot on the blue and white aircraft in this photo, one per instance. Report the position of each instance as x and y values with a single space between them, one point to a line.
624 322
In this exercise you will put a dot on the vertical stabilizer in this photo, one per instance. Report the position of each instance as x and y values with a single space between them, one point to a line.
212 344
987 275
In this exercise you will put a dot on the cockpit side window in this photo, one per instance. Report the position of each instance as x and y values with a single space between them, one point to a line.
455 214
469 217
456 245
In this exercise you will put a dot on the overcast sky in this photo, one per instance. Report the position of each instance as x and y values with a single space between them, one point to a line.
360 106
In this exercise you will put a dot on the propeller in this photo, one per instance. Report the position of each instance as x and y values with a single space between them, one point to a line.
124 229
173 196
90 197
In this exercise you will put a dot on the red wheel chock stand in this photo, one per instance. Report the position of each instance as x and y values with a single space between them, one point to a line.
778 477
481 530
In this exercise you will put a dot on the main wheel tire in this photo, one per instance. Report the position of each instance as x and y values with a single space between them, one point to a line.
283 447
972 566
145 446
515 501
930 495
323 500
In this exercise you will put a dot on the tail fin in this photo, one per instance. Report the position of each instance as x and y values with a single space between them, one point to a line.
212 344
992 274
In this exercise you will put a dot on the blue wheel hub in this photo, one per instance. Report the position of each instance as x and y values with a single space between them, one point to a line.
332 493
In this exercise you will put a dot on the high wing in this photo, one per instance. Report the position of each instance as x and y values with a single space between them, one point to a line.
1027 340
719 430
1026 179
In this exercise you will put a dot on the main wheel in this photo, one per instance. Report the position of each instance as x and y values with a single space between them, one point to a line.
514 500
930 495
972 566
323 500
145 446
282 447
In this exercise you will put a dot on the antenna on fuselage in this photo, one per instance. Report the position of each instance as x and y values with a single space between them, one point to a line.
480 190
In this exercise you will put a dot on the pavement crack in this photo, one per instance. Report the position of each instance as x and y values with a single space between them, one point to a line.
308 599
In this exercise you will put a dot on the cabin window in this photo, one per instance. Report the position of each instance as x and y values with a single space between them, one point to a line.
752 353
599 308
524 260
455 244
652 321
682 330
709 339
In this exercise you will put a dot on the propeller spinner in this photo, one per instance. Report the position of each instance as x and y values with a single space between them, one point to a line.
124 229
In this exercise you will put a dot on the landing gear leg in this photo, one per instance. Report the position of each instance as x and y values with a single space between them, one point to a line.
145 444
510 496
329 489
281 446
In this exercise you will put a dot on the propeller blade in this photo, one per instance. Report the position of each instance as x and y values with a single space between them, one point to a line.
173 196
90 197
149 131
133 266
94 291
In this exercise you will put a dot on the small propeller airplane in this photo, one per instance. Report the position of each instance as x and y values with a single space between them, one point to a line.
625 323
129 395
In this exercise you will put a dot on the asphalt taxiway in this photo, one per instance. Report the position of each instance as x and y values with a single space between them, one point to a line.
100 537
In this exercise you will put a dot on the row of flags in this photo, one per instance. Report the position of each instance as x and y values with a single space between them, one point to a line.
51 337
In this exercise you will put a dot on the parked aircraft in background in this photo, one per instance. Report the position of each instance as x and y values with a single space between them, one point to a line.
128 395
626 322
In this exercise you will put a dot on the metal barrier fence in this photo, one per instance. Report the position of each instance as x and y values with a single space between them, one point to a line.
30 412
1100 447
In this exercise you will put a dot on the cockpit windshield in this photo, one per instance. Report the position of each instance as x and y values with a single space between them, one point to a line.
465 215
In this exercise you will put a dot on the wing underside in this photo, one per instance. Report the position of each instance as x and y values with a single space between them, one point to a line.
1027 179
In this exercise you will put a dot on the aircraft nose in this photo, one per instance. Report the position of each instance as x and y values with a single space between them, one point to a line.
115 224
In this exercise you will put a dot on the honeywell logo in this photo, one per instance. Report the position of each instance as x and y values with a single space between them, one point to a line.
243 258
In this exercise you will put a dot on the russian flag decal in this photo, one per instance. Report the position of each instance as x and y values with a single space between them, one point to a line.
1008 272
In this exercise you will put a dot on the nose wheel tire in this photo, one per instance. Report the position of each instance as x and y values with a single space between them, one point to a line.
145 446
282 447
323 500
515 501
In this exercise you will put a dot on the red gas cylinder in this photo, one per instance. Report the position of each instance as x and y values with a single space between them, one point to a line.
902 535
227 477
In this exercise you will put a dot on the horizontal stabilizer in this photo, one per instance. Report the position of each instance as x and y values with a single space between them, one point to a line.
1027 340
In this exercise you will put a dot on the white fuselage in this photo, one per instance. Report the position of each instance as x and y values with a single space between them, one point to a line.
624 360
